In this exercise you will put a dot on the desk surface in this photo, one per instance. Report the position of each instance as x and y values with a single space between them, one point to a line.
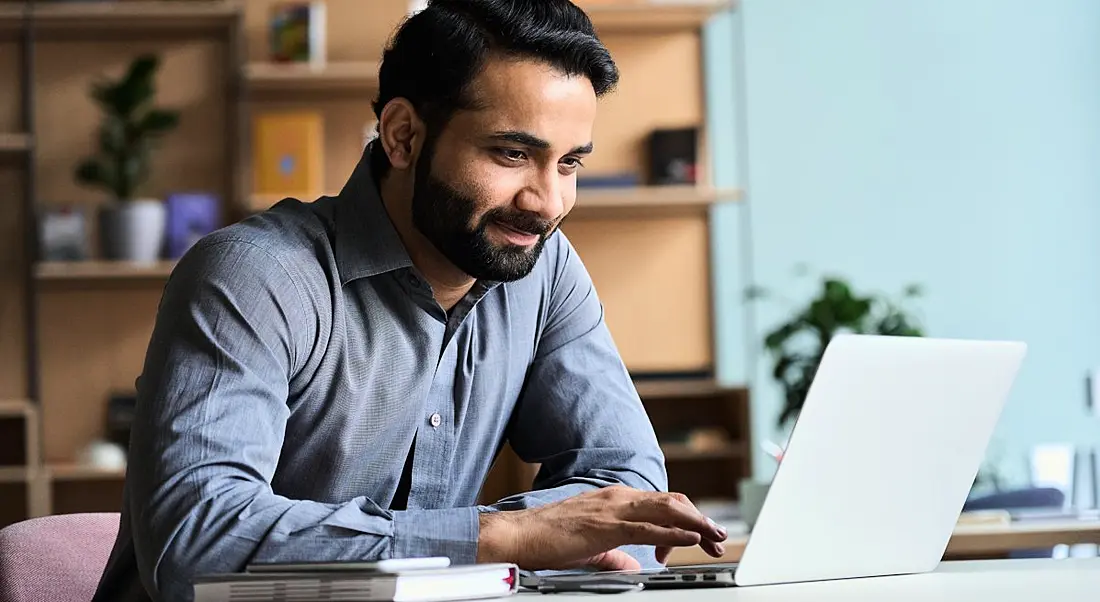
1071 580
974 540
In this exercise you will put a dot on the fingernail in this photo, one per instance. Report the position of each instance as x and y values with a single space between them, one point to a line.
721 549
719 528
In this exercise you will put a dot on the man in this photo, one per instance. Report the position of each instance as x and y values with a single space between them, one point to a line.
333 380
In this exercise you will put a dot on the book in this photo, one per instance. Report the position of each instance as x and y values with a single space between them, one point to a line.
287 150
465 582
298 32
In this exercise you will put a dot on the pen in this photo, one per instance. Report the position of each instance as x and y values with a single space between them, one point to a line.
600 587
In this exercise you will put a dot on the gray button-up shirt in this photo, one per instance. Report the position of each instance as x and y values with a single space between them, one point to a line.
299 360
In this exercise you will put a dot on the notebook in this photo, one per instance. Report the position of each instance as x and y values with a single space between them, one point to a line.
331 583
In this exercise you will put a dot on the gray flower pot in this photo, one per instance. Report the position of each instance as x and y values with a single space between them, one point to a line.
132 230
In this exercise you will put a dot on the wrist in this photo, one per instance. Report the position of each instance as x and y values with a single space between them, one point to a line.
495 541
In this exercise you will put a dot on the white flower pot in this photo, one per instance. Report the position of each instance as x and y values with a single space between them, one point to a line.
132 230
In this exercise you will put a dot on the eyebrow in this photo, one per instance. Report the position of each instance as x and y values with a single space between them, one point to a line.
534 141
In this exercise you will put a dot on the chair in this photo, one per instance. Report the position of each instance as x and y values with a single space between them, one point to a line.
55 558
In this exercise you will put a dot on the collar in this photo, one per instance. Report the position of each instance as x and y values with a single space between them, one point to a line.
367 243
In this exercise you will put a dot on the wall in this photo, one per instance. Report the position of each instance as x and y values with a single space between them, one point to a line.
952 144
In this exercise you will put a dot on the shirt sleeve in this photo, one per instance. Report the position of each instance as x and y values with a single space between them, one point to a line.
580 416
232 329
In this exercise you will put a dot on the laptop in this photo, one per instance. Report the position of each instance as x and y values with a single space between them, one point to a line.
878 466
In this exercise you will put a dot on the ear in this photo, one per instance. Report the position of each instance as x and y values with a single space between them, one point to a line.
401 132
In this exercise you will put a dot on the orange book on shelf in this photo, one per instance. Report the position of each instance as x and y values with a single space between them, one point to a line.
287 150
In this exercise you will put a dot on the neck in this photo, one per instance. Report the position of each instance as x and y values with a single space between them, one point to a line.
449 284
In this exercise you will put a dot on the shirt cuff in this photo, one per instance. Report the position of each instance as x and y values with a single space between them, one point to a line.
450 532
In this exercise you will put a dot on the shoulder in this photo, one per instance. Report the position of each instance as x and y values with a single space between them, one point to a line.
558 264
560 281
284 249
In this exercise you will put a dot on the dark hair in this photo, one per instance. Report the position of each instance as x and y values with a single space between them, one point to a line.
436 53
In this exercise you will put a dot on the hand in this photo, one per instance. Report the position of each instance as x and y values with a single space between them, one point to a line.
586 529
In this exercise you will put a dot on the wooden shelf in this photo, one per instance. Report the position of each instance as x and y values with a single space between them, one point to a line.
679 389
602 202
15 408
678 452
296 78
637 16
649 200
78 472
133 17
102 270
16 474
11 144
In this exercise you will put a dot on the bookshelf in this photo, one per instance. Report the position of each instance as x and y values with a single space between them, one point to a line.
91 319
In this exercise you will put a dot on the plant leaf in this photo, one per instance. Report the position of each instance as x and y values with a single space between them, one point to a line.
158 121
93 172
780 335
112 135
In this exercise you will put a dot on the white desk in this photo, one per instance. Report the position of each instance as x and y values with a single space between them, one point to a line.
1072 580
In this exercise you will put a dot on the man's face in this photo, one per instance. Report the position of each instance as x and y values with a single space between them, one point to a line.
499 180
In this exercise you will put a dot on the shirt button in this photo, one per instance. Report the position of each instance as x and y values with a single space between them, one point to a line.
435 420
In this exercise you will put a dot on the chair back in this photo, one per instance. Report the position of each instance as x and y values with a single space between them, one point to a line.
55 558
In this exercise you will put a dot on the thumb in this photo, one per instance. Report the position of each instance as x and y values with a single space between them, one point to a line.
614 560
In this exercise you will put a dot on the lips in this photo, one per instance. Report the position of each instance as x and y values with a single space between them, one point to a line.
517 230
517 237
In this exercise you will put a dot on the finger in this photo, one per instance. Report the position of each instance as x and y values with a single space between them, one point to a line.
615 560
649 534
666 510
713 549
719 530
662 553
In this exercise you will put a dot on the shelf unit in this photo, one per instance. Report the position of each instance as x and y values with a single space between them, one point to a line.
32 483
57 483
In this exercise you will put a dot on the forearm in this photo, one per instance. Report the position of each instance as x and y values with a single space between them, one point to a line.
246 523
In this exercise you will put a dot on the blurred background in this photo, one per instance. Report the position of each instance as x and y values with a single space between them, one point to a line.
769 173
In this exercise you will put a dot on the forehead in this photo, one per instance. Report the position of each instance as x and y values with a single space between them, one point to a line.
531 96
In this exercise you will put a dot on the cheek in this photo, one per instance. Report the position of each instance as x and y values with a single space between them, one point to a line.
491 185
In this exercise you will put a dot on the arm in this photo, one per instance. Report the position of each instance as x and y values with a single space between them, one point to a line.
579 415
232 330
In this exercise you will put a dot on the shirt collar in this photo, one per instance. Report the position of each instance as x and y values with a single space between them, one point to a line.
367 243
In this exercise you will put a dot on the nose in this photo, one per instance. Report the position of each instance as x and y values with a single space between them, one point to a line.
543 195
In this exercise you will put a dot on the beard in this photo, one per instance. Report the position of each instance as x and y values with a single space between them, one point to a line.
443 215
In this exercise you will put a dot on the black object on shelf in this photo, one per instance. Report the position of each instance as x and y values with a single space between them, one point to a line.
673 156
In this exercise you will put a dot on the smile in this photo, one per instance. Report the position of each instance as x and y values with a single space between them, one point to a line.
517 237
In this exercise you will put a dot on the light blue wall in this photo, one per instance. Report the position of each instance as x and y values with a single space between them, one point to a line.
954 144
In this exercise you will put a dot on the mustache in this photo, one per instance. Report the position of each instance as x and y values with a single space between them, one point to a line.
520 220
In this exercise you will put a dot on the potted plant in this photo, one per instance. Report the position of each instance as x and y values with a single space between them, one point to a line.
798 344
131 227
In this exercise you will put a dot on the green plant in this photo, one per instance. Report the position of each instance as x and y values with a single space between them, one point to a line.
798 344
128 129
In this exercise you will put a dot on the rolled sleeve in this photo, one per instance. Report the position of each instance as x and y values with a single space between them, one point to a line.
450 532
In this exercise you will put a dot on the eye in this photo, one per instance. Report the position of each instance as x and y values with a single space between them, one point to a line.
511 154
571 164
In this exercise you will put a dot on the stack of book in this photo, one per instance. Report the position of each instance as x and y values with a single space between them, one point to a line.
406 580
